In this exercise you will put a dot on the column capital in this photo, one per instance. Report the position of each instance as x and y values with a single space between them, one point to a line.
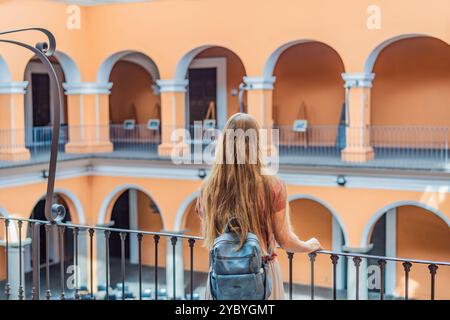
358 80
172 85
259 83
13 87
83 88
361 250
14 245
175 232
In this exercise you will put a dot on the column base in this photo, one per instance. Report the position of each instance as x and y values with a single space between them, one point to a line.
358 154
165 149
15 154
89 147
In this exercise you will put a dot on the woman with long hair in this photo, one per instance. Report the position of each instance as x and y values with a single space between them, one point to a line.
238 190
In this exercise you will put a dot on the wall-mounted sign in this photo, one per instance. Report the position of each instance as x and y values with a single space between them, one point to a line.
300 125
153 124
129 124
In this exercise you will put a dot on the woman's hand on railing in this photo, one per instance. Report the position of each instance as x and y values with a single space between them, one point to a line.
314 245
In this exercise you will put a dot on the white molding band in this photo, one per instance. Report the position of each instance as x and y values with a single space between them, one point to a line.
259 83
172 85
13 87
358 80
83 88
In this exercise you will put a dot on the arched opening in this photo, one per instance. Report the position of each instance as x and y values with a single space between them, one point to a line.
410 95
54 254
311 218
214 75
305 116
134 103
41 99
410 231
135 210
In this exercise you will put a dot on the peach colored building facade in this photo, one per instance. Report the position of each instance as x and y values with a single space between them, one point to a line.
299 60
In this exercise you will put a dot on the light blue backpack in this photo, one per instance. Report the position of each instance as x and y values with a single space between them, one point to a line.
238 274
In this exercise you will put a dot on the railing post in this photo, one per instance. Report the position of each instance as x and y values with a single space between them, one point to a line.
191 246
61 260
156 240
36 257
107 235
21 290
174 245
7 284
48 293
334 260
91 260
139 238
290 257
407 267
382 264
433 269
357 262
123 236
312 258
76 231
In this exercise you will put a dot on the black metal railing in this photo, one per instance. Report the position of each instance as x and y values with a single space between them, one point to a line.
14 231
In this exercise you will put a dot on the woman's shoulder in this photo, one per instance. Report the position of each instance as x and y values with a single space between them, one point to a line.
276 184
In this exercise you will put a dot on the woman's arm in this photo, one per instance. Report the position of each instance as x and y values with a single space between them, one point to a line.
287 239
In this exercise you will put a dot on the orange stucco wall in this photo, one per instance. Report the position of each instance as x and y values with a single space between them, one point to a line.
422 235
411 84
150 221
309 219
308 74
132 86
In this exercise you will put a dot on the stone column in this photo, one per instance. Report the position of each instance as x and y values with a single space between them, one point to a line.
88 117
15 274
358 103
259 99
173 114
179 269
12 122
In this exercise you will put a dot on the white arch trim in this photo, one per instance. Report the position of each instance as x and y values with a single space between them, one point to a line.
269 67
117 191
182 210
369 226
183 65
136 57
5 74
73 199
70 68
328 207
4 213
372 58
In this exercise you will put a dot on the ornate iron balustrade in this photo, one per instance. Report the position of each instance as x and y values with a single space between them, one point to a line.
14 227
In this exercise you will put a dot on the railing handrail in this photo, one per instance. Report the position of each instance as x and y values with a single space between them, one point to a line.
367 256
179 235
100 228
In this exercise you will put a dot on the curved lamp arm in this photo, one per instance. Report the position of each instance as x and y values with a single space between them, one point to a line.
43 50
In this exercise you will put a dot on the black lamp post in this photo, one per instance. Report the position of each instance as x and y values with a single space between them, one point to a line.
43 50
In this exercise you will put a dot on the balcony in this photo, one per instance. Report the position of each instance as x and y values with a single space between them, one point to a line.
395 147
74 277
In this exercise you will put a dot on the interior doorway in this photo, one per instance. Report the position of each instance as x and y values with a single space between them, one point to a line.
202 92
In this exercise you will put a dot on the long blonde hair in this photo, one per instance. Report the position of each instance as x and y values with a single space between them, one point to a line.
237 192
